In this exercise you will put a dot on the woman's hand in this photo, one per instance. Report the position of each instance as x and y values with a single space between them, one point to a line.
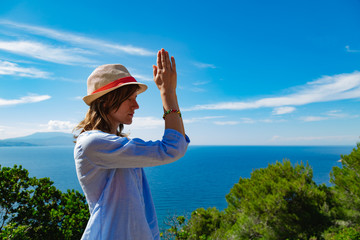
165 79
165 76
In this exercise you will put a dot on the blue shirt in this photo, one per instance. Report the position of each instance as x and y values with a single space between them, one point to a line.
110 172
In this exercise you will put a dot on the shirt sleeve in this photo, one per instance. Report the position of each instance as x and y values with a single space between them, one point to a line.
110 151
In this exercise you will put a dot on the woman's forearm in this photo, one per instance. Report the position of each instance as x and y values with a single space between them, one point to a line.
172 120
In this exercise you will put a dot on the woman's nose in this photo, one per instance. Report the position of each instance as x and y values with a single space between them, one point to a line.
136 105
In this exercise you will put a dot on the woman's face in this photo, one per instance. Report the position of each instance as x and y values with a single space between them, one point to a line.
125 113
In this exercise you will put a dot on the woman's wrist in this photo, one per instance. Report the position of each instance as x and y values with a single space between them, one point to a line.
169 101
171 111
167 92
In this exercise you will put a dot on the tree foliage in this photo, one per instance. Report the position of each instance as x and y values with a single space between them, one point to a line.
32 208
347 186
283 202
203 223
176 231
278 202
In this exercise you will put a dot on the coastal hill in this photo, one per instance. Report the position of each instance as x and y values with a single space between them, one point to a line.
40 139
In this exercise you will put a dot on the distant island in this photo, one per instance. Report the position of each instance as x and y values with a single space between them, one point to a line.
40 139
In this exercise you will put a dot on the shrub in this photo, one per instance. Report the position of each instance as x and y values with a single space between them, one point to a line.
33 208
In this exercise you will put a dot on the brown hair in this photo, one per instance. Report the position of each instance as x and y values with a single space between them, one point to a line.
96 117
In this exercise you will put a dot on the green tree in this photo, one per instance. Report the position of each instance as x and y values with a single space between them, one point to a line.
346 182
342 233
278 202
203 223
176 230
33 208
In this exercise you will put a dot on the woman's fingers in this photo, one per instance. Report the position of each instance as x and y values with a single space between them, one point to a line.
158 60
168 65
163 58
173 65
154 70
164 72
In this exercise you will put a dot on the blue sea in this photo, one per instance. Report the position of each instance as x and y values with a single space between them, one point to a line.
200 179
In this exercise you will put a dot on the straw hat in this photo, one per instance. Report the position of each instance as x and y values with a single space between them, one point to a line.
107 78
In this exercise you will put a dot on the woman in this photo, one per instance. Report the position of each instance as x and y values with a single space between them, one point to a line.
109 166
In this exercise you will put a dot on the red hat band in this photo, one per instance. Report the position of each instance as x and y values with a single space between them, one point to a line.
115 83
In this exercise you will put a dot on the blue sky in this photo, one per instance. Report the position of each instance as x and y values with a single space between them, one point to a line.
249 72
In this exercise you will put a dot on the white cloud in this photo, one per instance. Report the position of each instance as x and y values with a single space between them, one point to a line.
62 126
45 52
197 89
78 98
199 119
336 114
9 68
248 121
142 78
21 129
153 122
313 118
283 110
333 114
351 50
222 123
272 120
204 65
200 83
16 131
22 100
146 122
80 40
127 49
325 89
197 86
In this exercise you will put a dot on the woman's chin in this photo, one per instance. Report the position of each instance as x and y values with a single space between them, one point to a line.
128 122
